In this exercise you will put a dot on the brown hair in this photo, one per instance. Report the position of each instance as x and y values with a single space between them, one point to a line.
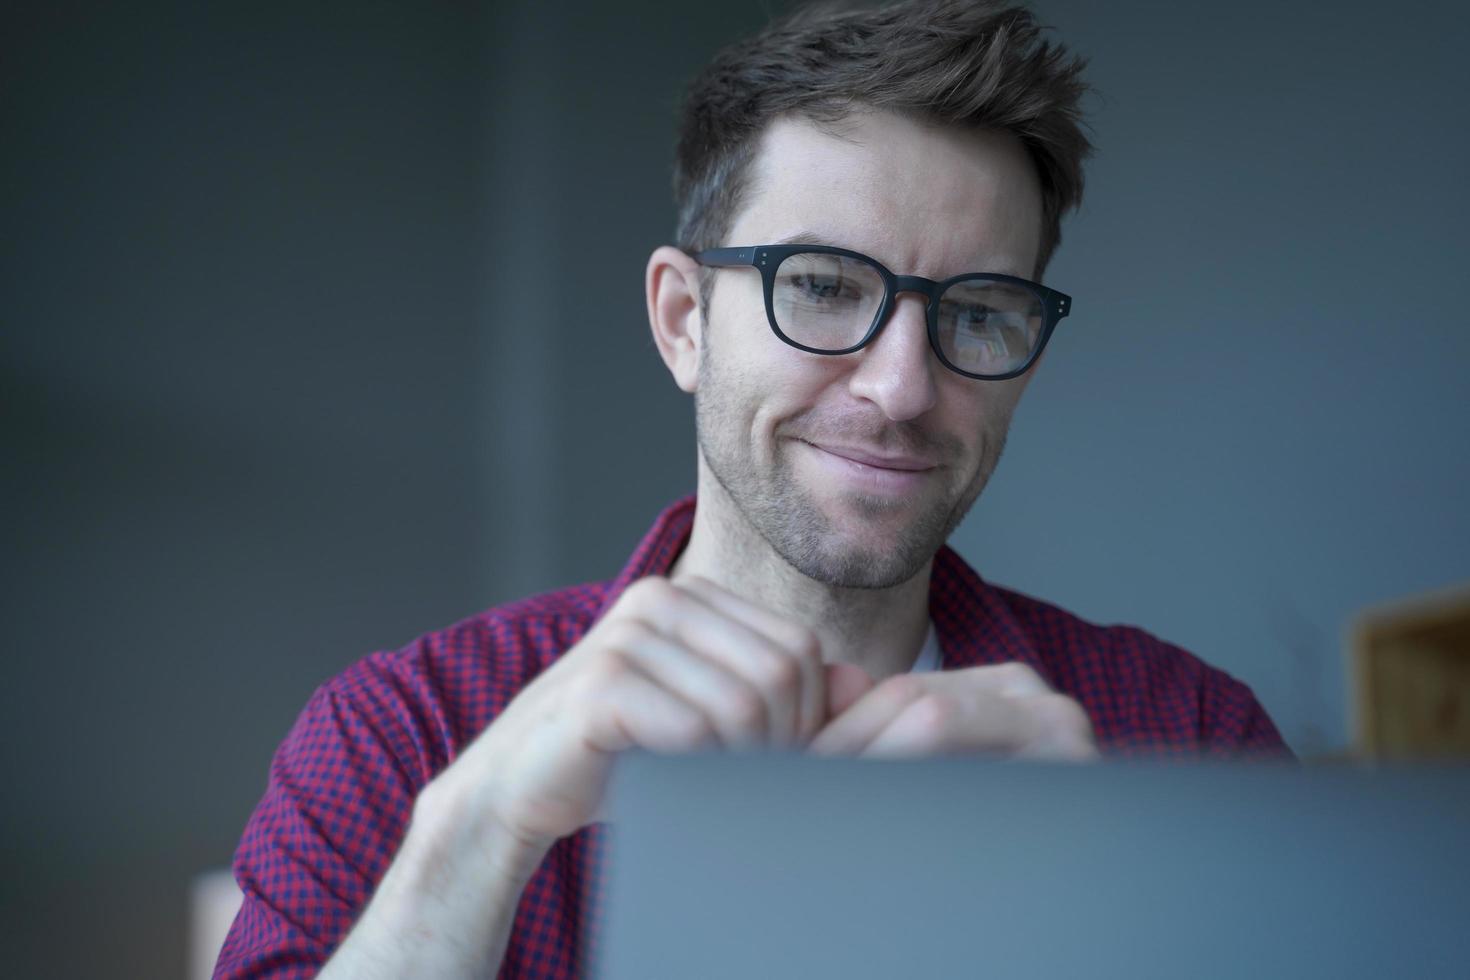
972 63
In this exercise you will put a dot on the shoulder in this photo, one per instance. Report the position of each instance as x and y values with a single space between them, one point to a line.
1065 639
1143 693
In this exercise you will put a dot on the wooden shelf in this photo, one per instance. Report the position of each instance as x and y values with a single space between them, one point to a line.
1411 674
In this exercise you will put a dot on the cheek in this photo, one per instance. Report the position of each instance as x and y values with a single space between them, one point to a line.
982 415
738 336
741 388
769 380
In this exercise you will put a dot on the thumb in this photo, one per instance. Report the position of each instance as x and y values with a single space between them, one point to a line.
845 684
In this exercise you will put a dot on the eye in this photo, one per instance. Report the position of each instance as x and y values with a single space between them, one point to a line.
976 314
966 316
818 286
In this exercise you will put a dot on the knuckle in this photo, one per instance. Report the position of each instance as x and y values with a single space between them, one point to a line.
804 643
626 631
648 592
1015 672
933 713
745 708
778 673
606 673
1064 715
903 687
695 730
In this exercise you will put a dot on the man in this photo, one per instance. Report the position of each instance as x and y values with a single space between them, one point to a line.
868 201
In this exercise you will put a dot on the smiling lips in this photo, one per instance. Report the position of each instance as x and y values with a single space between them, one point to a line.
869 458
872 471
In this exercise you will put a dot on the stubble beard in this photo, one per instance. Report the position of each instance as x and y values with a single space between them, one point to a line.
793 524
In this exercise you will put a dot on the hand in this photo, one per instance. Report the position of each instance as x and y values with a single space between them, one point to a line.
672 667
1006 709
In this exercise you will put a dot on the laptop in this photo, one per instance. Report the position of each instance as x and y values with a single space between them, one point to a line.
774 866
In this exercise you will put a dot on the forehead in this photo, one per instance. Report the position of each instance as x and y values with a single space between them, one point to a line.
918 197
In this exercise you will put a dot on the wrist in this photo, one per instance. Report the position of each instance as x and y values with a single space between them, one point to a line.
450 826
446 905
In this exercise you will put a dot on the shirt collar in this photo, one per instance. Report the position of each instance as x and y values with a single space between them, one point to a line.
657 552
972 620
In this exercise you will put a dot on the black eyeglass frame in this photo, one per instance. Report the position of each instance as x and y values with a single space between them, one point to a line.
767 258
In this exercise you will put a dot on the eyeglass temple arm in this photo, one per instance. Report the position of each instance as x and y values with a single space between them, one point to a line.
726 256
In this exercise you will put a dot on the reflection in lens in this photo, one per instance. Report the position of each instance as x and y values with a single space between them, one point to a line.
824 301
988 327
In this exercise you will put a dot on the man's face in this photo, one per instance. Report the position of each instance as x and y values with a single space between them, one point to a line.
855 468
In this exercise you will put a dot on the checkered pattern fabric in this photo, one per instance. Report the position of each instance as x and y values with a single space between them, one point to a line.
342 785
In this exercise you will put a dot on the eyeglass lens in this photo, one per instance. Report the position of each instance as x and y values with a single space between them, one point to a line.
828 302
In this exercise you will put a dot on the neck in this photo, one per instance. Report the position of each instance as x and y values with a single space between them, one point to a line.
880 630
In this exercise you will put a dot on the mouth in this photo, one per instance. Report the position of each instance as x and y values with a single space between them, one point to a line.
876 460
869 472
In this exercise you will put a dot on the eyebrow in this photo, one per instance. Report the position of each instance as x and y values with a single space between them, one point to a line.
806 238
812 238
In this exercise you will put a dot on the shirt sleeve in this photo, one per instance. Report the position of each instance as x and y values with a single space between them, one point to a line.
1233 723
338 798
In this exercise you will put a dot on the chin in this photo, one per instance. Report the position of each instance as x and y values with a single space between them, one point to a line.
853 570
858 550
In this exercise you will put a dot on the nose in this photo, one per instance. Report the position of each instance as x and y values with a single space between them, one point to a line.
896 372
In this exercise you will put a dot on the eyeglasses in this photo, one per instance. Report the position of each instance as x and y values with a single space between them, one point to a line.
827 300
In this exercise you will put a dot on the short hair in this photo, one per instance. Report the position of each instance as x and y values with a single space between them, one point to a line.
975 64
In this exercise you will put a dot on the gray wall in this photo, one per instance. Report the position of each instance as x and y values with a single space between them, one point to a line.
240 409
1256 421
286 375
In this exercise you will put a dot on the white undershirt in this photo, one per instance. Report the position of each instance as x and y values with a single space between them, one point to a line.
928 659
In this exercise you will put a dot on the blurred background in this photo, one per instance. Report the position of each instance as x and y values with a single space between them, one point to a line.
323 327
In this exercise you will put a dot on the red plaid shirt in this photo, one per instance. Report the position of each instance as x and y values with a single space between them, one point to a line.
342 785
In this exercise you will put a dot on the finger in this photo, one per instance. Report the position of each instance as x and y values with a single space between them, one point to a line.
1043 727
794 639
730 703
693 623
938 723
851 732
1012 679
845 684
634 711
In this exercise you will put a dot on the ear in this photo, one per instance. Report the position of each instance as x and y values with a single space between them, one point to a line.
672 284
